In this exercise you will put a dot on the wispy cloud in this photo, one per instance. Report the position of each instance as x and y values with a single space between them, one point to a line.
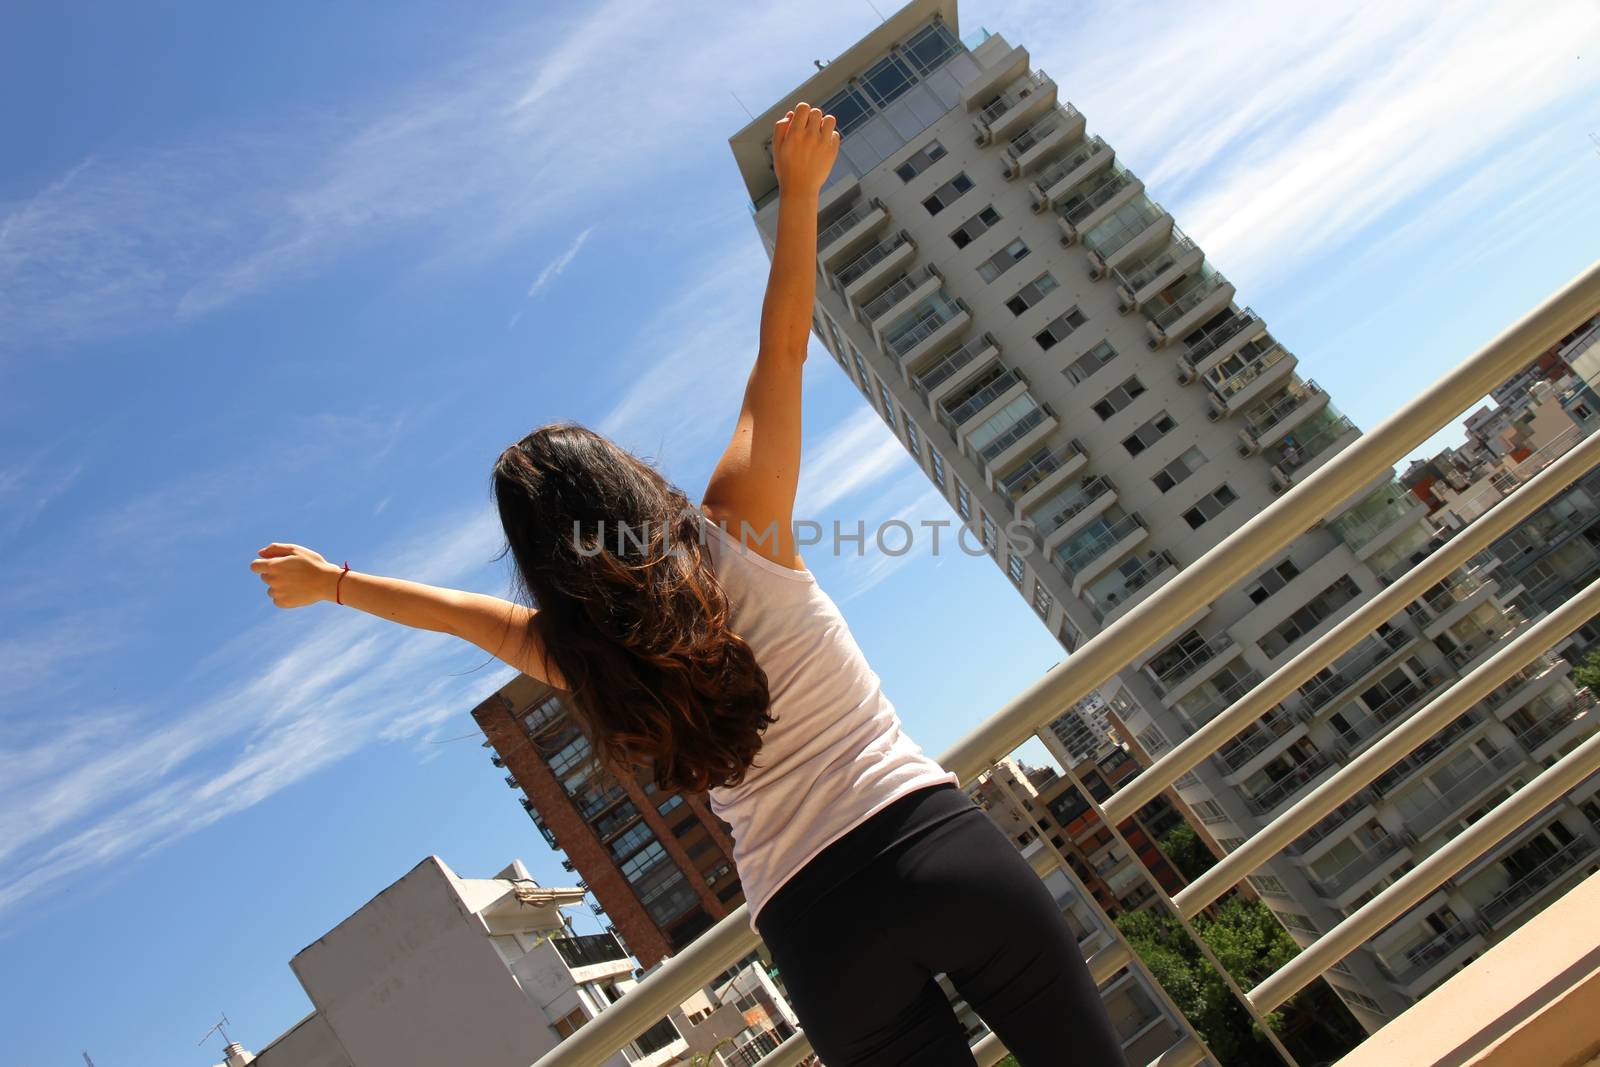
854 455
553 269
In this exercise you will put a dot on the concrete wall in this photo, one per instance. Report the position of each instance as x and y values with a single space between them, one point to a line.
312 1043
412 980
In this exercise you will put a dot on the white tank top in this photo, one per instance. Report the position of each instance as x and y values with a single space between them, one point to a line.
836 754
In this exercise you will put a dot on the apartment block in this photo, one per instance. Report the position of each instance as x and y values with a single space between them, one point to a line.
1054 351
660 865
442 969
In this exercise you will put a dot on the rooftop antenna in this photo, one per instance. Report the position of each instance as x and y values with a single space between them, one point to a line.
875 11
217 1029
752 119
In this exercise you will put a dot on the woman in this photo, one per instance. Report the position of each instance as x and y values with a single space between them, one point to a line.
695 643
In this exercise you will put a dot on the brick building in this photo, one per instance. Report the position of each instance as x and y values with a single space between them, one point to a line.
659 864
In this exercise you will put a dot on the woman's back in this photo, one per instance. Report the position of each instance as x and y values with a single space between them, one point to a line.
836 754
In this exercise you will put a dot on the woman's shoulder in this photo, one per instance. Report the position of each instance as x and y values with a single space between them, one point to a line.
739 544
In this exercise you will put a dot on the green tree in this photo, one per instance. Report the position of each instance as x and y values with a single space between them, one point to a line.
1185 851
1249 942
1588 672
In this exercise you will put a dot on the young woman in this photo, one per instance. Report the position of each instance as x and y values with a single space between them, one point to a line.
694 642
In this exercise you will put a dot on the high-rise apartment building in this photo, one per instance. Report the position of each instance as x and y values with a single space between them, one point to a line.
1055 351
660 865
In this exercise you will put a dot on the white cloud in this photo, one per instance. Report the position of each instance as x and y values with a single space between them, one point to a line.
553 269
858 453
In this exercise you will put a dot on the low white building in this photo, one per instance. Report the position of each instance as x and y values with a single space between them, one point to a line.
439 969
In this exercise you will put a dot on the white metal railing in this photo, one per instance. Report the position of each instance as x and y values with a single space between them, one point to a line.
1087 493
926 326
1075 556
1265 533
1040 130
1170 674
1217 336
1142 270
941 372
1259 421
871 258
842 225
1053 174
1014 94
1192 292
1040 467
898 291
1076 209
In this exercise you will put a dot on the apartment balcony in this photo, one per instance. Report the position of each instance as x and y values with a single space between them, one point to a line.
1092 499
1006 383
1135 229
1273 796
1115 594
1328 829
848 234
1010 112
1364 530
1439 814
1087 206
1180 676
928 331
1570 859
1029 150
1043 474
1219 700
1425 754
1141 276
1087 558
1016 441
1555 724
1515 692
1246 376
993 78
1209 346
955 367
900 296
1449 602
1427 958
589 950
1057 178
1374 653
1413 693
1270 421
869 270
1185 304
1295 457
1240 756
1377 861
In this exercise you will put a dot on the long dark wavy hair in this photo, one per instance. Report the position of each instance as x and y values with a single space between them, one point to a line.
630 611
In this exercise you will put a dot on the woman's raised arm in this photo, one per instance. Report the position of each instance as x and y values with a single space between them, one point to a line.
753 487
297 576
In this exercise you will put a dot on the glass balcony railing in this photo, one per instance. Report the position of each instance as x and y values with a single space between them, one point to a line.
947 366
1172 673
1200 345
1166 308
1036 133
1129 221
1551 720
1014 94
954 417
1306 444
1364 522
1339 882
1260 421
1424 754
1142 270
1274 794
1373 650
897 292
589 949
1236 754
1079 206
1110 592
1432 817
1067 509
1530 885
1096 542
1016 432
846 222
922 325
1218 699
859 266
1330 823
1055 172
1040 466
1426 956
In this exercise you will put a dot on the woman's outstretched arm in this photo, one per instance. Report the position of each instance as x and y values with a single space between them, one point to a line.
296 577
753 487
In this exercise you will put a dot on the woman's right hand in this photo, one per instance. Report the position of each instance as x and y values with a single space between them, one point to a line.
295 575
804 146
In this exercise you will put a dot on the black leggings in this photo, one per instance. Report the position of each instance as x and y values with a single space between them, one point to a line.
926 886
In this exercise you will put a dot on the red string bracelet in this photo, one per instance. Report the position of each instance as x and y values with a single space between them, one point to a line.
340 582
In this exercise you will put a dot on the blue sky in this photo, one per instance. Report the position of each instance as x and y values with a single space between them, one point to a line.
300 275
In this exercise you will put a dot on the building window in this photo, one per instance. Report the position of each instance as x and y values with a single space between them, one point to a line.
963 501
920 160
913 439
1361 1000
1308 616
888 404
1148 434
1178 469
674 801
1071 636
1209 506
1002 261
861 366
991 537
1118 398
977 225
1079 370
947 194
1293 920
1153 741
568 1024
1032 293
1272 580
938 468
1269 884
1209 811
1016 569
1060 328
1042 600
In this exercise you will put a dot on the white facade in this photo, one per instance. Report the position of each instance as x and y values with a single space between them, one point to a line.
439 969
1057 353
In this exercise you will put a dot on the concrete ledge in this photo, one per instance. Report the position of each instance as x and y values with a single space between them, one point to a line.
1533 999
